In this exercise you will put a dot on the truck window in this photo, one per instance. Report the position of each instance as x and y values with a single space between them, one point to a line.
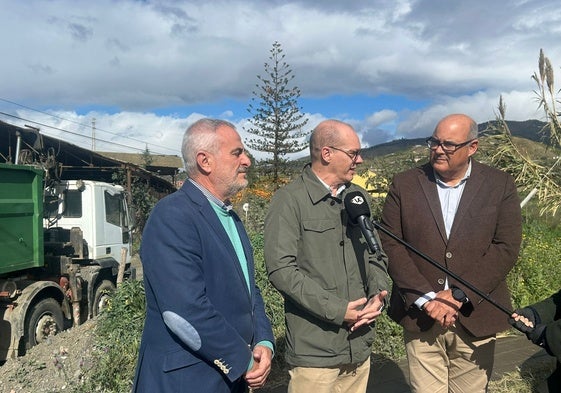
50 207
114 211
73 201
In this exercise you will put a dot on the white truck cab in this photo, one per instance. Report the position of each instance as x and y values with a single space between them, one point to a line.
99 209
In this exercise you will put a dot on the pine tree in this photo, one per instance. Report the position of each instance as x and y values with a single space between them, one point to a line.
277 123
147 158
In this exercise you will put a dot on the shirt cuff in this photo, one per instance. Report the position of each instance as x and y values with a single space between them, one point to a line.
427 297
267 344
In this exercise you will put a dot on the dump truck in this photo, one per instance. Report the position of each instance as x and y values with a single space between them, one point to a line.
63 244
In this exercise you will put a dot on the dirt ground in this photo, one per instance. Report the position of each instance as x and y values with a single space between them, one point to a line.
52 366
57 364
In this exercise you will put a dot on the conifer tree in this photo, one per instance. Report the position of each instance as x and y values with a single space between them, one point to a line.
277 123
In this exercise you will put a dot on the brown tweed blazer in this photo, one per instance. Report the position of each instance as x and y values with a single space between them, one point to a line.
483 245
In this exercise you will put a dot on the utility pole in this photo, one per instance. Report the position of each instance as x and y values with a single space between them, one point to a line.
93 134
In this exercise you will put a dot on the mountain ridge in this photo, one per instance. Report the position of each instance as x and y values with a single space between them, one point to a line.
529 129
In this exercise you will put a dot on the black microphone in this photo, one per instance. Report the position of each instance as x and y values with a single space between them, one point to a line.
359 213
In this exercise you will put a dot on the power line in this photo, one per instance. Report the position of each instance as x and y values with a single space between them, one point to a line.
70 132
83 125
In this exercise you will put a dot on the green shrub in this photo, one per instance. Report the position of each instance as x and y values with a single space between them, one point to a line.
389 339
118 333
537 273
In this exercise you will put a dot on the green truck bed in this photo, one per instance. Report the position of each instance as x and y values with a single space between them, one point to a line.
21 218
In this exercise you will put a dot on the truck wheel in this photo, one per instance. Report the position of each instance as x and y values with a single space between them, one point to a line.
43 320
101 296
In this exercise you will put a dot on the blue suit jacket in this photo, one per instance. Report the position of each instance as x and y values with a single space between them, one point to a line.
201 320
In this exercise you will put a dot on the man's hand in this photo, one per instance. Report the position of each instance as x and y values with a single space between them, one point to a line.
523 319
526 321
443 308
353 309
371 311
257 376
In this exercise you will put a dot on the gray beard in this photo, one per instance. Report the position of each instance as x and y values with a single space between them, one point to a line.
236 187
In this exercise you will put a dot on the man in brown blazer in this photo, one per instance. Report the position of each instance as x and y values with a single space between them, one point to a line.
466 216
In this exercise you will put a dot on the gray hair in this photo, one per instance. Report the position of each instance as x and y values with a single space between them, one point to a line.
201 135
473 130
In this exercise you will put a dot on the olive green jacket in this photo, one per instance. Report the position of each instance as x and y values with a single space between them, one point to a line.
319 264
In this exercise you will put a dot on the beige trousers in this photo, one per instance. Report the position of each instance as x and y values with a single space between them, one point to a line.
349 378
449 361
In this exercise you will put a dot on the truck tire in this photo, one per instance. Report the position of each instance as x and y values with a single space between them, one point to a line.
101 296
44 319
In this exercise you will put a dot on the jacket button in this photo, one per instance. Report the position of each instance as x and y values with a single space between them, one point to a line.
332 202
448 255
341 243
440 281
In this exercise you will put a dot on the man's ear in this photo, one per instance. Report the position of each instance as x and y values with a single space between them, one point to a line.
204 161
473 147
326 153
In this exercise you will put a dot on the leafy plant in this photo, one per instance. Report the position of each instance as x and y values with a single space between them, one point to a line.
118 335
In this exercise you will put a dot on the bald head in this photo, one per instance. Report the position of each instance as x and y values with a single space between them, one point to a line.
463 124
329 133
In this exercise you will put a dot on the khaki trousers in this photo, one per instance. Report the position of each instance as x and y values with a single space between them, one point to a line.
349 378
449 361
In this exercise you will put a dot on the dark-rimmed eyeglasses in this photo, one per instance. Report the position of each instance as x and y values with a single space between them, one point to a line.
353 154
448 147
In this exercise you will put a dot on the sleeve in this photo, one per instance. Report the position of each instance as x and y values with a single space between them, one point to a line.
263 330
553 338
549 311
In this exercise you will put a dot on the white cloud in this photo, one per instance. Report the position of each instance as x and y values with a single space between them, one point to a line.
123 62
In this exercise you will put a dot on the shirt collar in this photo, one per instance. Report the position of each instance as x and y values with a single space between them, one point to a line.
224 205
317 190
339 190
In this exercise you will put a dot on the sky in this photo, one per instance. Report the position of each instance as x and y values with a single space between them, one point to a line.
135 74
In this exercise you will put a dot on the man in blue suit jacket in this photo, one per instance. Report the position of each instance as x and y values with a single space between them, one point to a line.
206 329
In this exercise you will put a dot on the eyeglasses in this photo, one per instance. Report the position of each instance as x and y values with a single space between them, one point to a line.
353 154
448 147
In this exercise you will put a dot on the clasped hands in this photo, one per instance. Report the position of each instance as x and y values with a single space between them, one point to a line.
443 308
364 311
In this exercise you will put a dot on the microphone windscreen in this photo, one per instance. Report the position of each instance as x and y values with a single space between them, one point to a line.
356 206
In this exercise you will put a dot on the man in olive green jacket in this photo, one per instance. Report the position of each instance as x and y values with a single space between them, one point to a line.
332 286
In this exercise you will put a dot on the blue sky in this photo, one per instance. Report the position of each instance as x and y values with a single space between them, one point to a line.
145 70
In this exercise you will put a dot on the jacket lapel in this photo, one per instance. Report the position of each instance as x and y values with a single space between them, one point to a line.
428 184
208 214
